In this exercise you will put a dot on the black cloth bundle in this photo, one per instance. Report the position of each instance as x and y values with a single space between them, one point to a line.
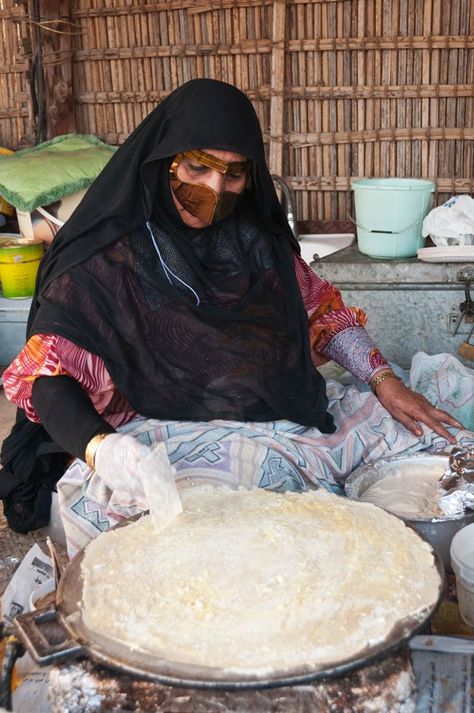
33 464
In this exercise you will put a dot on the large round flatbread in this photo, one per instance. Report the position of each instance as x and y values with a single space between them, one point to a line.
255 581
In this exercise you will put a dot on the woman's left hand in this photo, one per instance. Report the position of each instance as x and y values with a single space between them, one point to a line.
412 408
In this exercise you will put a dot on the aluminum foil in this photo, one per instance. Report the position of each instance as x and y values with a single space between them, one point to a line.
456 486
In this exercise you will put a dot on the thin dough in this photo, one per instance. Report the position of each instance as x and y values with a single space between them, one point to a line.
408 490
255 581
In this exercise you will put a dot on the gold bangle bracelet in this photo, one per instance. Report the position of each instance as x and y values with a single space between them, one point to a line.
91 449
377 380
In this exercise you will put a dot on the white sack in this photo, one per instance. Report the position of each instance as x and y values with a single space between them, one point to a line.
451 223
34 569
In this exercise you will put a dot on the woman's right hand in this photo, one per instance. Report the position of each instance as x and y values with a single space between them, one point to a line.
142 473
412 409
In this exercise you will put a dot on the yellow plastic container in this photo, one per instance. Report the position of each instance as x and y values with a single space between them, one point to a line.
5 207
18 266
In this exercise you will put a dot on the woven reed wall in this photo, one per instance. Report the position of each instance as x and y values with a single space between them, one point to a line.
16 114
343 88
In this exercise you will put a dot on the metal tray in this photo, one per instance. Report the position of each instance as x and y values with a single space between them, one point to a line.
58 633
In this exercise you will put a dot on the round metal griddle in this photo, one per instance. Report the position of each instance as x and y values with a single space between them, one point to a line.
36 629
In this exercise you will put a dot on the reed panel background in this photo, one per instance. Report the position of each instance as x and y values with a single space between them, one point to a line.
343 88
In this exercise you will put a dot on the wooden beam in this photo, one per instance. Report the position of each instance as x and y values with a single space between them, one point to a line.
264 91
277 86
266 46
56 51
298 141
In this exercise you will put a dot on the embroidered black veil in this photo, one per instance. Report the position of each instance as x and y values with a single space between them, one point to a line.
191 324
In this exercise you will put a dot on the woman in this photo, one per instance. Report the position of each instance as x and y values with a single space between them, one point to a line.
174 305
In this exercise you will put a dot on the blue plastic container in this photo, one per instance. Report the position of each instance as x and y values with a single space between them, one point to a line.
389 215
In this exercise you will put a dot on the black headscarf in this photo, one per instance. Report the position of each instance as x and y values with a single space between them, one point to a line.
191 324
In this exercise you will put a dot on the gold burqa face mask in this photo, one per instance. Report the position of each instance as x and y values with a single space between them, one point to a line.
200 200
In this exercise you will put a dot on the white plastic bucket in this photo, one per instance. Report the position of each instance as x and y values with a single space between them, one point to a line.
462 561
389 215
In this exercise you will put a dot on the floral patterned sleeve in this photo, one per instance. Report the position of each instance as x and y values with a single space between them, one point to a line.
52 355
336 332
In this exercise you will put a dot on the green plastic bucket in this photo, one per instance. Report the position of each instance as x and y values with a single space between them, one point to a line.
389 215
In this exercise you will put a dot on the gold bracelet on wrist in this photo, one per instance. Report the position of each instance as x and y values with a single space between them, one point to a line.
377 380
91 449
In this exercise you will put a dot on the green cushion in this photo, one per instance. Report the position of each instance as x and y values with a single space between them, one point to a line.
48 172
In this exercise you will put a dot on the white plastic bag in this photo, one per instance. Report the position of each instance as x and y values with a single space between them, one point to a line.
35 568
451 223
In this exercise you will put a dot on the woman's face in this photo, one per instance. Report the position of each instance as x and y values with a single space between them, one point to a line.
191 171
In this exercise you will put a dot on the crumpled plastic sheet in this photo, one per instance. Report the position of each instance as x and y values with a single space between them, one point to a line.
451 223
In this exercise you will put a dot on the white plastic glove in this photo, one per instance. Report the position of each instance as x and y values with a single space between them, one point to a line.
143 472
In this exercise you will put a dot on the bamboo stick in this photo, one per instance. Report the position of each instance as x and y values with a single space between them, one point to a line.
193 7
264 46
377 81
426 80
278 82
174 79
126 38
262 91
339 183
399 135
304 68
386 81
213 59
147 77
394 42
370 81
324 60
195 24
401 121
339 158
319 124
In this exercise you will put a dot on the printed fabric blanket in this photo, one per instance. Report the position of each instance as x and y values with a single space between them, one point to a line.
279 455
